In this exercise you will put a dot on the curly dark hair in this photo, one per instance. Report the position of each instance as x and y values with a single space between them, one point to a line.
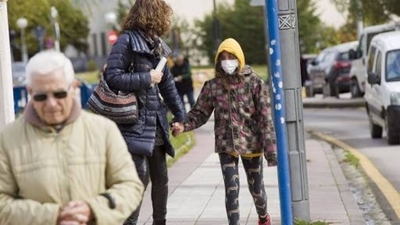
153 17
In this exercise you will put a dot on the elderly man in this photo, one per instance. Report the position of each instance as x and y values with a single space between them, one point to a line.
62 165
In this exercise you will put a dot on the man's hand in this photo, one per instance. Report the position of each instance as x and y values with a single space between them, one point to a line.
177 128
156 76
75 213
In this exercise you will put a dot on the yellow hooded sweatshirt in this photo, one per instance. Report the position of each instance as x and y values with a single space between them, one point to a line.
232 46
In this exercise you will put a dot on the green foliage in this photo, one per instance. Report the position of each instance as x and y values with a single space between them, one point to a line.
72 21
90 77
246 24
123 8
182 145
261 70
372 12
313 34
302 222
241 22
92 66
184 38
392 6
352 159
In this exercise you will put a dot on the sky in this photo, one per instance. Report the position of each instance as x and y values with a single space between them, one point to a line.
195 9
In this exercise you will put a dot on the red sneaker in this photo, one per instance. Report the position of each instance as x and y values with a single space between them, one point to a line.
268 222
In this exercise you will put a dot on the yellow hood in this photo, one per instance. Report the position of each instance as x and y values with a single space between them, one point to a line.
232 46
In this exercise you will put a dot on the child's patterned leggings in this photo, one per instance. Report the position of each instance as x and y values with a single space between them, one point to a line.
254 171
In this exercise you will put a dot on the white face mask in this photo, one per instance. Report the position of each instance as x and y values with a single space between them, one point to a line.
230 65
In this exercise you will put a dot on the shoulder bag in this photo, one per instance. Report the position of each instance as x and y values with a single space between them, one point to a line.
121 108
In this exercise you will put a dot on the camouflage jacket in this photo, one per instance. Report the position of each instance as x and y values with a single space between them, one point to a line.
243 122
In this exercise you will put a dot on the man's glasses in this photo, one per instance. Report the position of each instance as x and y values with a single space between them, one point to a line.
56 94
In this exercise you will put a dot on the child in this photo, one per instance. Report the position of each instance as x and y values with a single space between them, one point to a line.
243 126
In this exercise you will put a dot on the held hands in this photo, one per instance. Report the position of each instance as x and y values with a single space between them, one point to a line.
75 213
178 79
156 76
177 128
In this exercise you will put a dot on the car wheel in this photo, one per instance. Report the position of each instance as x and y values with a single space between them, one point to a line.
333 90
354 89
309 92
393 138
327 90
374 130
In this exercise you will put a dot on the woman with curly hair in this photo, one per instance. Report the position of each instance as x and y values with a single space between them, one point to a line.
130 69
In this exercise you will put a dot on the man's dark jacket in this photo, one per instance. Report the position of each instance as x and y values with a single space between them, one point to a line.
184 86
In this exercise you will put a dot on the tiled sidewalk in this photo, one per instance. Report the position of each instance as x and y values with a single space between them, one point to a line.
197 191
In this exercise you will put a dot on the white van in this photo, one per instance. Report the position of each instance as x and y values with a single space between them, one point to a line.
382 92
358 72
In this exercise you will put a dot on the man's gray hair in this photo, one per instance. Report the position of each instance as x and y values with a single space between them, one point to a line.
47 62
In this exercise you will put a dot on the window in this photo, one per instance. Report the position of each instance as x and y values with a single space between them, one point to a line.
378 67
393 65
360 48
371 59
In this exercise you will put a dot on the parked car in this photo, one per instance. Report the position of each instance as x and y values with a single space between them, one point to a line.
358 70
329 73
382 93
305 64
18 73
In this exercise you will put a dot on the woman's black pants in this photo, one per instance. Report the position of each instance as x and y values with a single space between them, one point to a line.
155 168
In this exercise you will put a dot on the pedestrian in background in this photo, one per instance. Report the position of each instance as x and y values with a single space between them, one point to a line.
243 126
140 47
182 73
60 164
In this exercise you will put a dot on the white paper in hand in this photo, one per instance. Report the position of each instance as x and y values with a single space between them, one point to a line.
160 66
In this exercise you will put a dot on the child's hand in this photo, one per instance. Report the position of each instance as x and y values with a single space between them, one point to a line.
177 128
270 156
272 161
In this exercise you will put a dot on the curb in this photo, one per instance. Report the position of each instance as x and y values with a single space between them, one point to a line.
327 103
385 187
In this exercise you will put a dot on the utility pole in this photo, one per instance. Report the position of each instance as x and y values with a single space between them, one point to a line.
360 24
54 15
281 23
279 104
6 90
288 32
216 28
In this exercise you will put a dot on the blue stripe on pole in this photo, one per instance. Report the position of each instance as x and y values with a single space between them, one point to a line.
279 111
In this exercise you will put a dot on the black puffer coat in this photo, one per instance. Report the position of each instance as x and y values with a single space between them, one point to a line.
131 47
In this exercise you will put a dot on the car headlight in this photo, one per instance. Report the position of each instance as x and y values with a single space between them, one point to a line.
395 98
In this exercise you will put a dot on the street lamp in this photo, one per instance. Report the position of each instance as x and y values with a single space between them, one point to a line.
111 19
216 28
54 14
22 23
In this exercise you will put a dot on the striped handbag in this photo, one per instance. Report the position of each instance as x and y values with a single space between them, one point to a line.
122 108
